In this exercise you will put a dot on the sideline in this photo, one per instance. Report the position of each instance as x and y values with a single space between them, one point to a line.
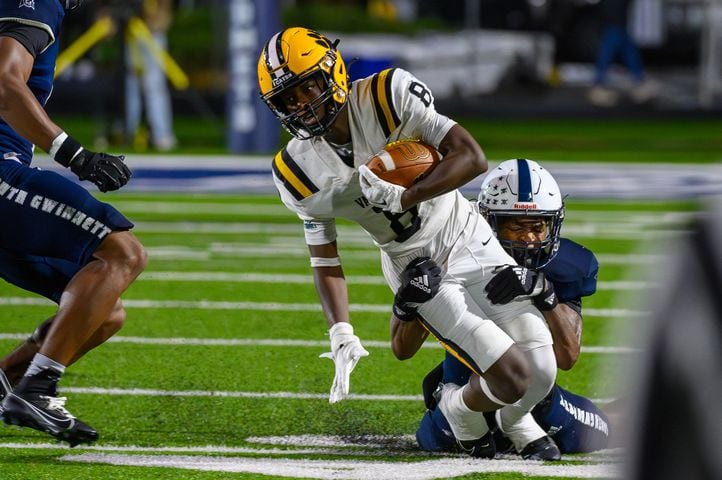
252 174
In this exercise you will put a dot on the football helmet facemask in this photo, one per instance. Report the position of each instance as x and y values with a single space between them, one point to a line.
523 188
295 55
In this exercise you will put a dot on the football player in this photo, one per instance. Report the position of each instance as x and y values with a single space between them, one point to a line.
58 240
320 175
564 272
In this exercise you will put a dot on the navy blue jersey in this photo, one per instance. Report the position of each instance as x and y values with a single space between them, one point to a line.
48 16
573 272
574 422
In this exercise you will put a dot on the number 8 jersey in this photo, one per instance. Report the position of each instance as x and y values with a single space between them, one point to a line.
319 182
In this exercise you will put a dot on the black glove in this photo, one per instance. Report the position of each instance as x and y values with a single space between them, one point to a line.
512 281
547 299
108 172
419 283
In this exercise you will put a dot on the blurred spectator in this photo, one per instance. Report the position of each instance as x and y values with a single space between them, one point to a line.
145 81
615 40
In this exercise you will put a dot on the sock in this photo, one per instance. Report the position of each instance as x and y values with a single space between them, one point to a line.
41 362
465 422
522 432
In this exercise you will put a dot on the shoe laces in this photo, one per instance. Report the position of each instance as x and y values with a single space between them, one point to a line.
57 404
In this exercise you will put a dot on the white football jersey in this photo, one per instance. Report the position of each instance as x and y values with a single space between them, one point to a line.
316 184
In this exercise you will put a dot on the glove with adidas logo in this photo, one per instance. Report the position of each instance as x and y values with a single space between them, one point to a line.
419 283
512 281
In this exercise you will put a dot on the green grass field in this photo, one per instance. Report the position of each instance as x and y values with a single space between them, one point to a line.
574 140
216 373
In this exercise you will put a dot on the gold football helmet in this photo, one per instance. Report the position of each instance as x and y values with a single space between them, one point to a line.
292 56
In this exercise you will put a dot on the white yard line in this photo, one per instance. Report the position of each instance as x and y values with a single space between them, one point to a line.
278 342
341 447
151 392
300 251
325 469
172 276
280 307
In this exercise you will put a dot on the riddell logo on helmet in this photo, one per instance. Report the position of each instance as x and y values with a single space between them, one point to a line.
525 206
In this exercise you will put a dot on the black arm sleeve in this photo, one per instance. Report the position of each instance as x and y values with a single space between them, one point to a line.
34 39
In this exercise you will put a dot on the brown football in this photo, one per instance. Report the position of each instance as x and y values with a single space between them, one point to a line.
404 162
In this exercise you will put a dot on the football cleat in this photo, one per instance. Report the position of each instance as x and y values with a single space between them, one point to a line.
35 404
480 448
5 389
543 448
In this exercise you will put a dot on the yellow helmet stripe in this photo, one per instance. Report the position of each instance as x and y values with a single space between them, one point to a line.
293 178
383 101
453 349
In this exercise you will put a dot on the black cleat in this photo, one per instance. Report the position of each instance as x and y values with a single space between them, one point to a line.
5 386
542 449
35 404
5 389
480 448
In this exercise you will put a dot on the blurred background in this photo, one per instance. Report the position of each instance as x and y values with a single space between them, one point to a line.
486 61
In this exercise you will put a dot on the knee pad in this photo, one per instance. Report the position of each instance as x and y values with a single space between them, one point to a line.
543 369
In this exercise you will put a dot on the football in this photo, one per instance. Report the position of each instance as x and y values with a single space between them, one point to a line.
404 162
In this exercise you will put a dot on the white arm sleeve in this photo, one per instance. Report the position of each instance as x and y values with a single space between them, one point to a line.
319 232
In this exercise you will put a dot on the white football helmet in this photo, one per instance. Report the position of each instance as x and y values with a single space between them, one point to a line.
522 187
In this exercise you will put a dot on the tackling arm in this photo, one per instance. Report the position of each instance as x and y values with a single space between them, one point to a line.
564 320
406 337
565 324
463 161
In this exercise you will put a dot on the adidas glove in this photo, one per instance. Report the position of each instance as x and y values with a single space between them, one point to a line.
547 299
512 281
107 172
419 283
346 351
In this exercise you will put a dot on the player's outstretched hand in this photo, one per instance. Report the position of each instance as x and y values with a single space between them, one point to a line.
380 193
107 172
346 351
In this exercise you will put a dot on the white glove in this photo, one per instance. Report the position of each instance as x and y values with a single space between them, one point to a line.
346 350
380 193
